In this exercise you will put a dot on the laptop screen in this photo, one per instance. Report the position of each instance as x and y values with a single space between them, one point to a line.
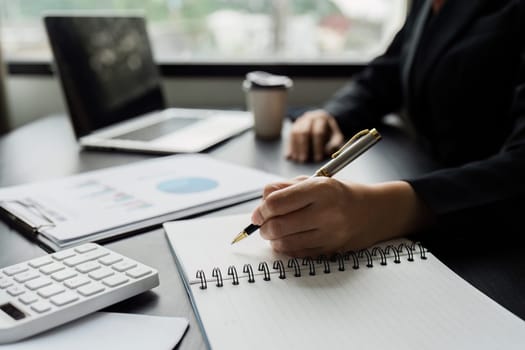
106 68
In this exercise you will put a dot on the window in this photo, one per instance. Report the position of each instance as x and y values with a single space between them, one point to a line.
218 31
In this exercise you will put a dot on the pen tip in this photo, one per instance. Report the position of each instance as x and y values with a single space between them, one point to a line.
240 236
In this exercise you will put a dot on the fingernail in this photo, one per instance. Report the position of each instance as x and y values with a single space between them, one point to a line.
257 218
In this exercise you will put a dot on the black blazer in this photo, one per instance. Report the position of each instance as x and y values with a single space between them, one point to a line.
457 77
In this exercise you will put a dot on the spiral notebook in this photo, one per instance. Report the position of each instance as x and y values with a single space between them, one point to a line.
393 296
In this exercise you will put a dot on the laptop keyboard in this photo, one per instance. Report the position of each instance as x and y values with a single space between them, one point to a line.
154 131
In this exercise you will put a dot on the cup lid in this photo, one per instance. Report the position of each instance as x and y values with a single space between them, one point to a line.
260 79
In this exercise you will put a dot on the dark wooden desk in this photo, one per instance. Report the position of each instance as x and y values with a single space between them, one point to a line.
47 149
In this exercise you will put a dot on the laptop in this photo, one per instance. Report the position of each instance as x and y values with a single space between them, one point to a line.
113 90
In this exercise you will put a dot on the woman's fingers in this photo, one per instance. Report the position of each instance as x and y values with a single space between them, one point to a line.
284 201
299 145
319 134
310 134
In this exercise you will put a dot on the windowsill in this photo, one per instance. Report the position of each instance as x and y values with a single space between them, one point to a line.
217 69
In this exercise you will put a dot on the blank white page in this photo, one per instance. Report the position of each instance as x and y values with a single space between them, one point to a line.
410 305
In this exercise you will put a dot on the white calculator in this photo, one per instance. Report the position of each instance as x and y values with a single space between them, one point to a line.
45 292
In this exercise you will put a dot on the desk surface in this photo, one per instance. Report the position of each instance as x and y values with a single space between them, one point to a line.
47 149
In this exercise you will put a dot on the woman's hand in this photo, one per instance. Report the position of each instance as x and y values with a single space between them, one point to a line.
316 134
312 216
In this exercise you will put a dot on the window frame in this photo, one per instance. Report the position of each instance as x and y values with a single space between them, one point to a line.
215 70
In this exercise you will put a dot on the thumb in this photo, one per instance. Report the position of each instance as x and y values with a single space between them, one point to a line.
335 143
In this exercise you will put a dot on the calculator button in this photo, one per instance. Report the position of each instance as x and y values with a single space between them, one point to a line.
114 281
63 275
36 263
28 298
96 254
5 283
63 255
80 259
13 270
75 260
101 273
124 265
110 259
90 289
64 298
49 269
41 306
138 272
38 283
88 267
15 291
85 248
26 276
77 282
49 291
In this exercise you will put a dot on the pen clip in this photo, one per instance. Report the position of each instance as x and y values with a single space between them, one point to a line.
350 142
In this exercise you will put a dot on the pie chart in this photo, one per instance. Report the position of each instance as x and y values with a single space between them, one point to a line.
185 185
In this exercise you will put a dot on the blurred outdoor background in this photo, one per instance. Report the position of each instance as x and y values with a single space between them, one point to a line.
224 30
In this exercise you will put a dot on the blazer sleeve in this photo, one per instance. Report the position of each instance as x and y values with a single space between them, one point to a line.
484 200
487 194
372 93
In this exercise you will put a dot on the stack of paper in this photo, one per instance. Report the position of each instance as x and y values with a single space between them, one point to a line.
105 203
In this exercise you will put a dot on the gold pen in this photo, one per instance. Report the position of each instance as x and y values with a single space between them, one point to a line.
356 146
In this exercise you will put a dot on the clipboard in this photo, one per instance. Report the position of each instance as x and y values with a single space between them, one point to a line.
103 205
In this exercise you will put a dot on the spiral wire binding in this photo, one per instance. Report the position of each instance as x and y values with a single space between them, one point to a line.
232 271
369 262
409 251
263 266
202 278
249 270
340 261
216 272
355 258
377 250
322 259
308 261
278 265
367 256
421 249
295 264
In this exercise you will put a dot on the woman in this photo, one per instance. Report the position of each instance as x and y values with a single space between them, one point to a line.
454 72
